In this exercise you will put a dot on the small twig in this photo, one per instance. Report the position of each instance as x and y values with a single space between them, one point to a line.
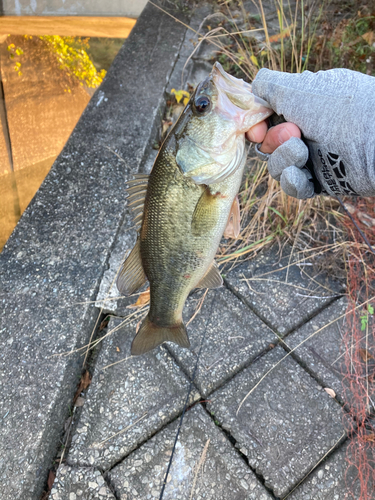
199 465
116 363
124 430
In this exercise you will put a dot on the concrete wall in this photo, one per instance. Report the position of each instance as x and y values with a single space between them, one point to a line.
127 8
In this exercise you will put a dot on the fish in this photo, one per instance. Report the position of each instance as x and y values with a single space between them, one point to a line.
183 207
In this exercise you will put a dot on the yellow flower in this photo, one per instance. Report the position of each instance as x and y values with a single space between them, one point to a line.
179 94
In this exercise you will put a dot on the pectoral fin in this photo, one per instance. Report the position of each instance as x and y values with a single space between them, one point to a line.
212 278
131 276
206 213
233 228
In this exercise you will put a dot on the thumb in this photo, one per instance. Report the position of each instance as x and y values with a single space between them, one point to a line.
275 136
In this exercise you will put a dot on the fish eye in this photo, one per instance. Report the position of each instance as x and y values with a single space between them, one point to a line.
202 104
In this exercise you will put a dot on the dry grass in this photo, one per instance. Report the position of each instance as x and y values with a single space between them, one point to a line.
318 226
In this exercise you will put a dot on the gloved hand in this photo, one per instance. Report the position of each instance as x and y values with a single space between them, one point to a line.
335 111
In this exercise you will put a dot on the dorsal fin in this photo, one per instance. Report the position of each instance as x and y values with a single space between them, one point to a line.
131 276
233 228
137 193
212 278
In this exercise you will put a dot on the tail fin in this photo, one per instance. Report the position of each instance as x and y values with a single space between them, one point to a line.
151 335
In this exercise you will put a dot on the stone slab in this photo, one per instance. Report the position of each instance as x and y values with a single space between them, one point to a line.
79 484
234 336
326 353
283 290
205 466
335 479
286 424
58 252
130 400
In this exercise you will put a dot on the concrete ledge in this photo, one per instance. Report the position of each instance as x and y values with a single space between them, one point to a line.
57 254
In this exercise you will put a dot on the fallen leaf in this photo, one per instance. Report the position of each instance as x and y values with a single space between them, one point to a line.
254 60
51 479
368 37
143 299
365 355
282 34
331 392
104 323
85 380
370 438
117 349
79 401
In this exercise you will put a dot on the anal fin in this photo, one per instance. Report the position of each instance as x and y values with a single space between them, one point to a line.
212 278
233 228
150 336
131 276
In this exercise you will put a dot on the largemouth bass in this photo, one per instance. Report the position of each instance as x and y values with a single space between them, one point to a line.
183 207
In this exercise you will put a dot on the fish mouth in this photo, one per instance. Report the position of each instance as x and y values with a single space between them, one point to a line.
237 90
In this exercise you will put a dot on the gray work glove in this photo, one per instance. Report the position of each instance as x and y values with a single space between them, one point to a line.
335 112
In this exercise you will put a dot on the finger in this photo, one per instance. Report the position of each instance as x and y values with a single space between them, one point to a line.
278 135
293 152
295 182
257 133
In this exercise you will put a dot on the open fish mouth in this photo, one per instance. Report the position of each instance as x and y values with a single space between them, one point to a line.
237 90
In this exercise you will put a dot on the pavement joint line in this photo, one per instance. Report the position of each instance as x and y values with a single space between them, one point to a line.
234 374
141 443
243 457
112 488
339 443
274 331
299 345
89 362
118 462
317 379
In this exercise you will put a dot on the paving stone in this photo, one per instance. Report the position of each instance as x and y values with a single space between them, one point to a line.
79 484
205 466
286 424
58 252
335 479
324 354
235 336
283 291
144 392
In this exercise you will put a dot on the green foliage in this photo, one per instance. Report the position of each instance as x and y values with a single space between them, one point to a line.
352 44
73 58
364 317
